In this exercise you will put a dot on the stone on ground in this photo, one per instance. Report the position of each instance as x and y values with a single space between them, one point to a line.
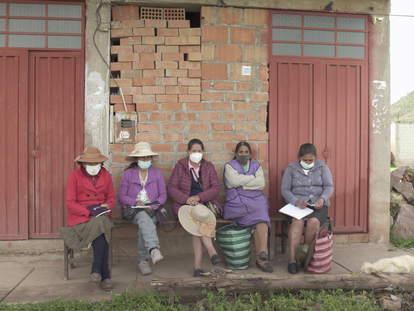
396 176
404 225
406 189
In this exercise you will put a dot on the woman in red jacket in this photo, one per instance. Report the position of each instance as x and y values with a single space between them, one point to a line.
185 189
91 184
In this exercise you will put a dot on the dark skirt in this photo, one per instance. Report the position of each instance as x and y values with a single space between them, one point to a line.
321 215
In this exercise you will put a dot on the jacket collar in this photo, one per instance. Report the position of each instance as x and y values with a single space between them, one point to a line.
135 175
296 165
88 185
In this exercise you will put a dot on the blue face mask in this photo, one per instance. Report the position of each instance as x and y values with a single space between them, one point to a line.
144 165
307 166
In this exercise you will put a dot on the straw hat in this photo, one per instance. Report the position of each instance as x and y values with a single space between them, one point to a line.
92 155
197 220
141 150
300 256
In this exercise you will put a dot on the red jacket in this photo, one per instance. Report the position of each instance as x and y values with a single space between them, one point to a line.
80 193
179 186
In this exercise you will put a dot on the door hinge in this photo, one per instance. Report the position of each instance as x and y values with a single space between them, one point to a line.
325 153
33 154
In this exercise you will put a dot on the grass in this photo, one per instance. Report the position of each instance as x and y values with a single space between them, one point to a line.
131 300
400 242
393 167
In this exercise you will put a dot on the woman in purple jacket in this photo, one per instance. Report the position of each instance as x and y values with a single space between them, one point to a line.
141 184
306 181
246 203
185 189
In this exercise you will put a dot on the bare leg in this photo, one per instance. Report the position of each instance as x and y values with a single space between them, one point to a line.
198 252
295 234
260 239
209 245
312 227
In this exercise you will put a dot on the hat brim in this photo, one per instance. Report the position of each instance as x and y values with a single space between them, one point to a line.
188 224
309 254
101 159
132 157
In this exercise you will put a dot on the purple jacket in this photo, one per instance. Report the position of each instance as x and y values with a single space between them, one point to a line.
246 207
296 185
179 187
131 185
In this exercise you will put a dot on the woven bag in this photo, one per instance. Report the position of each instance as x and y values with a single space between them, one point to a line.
321 261
235 243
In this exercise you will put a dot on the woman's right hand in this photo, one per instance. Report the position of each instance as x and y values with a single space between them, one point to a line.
194 200
139 203
301 204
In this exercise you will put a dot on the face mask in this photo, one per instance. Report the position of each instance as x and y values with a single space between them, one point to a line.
243 158
196 157
144 165
307 166
93 169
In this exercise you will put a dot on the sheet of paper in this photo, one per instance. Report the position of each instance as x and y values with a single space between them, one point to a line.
295 211
140 206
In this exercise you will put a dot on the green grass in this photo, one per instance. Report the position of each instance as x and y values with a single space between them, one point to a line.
393 167
131 300
400 242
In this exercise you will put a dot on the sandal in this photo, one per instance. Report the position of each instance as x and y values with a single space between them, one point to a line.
293 268
265 268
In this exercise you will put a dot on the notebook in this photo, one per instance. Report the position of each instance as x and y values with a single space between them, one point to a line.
295 211
97 210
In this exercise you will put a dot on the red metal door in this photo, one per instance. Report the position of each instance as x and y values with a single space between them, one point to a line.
13 144
55 136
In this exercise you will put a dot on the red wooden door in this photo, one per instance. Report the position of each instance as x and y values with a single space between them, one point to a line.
13 144
55 136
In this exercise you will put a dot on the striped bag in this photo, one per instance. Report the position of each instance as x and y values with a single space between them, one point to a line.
235 243
321 261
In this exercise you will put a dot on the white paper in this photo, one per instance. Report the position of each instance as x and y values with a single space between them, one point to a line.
140 206
246 70
295 211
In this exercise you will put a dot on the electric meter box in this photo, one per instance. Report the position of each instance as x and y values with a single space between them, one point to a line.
125 127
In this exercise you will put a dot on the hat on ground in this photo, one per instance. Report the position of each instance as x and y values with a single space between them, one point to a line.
92 155
304 253
141 150
198 220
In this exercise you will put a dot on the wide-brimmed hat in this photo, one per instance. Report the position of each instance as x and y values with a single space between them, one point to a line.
141 150
305 259
197 220
91 154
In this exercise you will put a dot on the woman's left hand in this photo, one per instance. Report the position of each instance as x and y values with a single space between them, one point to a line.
105 205
319 203
194 200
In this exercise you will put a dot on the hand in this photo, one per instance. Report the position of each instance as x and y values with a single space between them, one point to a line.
301 204
319 203
194 200
105 205
139 203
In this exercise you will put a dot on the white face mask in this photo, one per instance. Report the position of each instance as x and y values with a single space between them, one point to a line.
196 157
93 170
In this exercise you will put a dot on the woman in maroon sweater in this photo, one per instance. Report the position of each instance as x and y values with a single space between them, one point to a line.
184 189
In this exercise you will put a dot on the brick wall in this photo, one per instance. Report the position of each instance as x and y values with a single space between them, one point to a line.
404 144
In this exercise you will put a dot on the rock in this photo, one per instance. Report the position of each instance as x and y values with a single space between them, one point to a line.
406 189
396 176
361 299
396 201
409 308
404 225
409 170
408 297
390 305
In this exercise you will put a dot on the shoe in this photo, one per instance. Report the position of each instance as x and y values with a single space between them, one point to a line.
293 268
265 268
156 256
106 284
263 256
215 259
197 273
95 278
144 267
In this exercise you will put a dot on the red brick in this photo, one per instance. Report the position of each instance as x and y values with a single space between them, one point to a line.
205 85
153 90
190 65
240 137
166 81
185 117
230 146
201 136
214 33
144 99
148 137
222 136
255 17
131 74
146 107
189 32
120 66
118 49
162 148
209 116
235 96
193 40
213 71
221 126
130 57
142 81
117 99
173 137
182 147
166 32
236 72
194 73
121 107
256 54
264 73
188 82
172 106
142 117
116 169
194 57
176 73
150 56
176 90
358 238
168 49
208 51
229 53
264 36
221 106
198 127
222 157
223 86
119 158
179 24
116 148
121 82
143 65
153 40
261 127
254 97
245 127
148 127
136 23
132 90
125 12
144 32
173 57
211 96
230 15
244 86
259 136
242 35
150 48
213 146
194 90
208 14
167 98
160 117
166 65
265 88
176 40
177 127
130 41
243 106
189 49
253 116
263 153
189 98
155 23
121 33
153 73
196 106
230 116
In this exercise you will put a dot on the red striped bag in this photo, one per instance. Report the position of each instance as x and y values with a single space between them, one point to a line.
321 261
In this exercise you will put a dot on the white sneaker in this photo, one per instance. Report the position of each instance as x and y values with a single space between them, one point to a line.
156 256
144 267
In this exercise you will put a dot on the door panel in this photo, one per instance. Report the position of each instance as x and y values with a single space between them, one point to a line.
13 144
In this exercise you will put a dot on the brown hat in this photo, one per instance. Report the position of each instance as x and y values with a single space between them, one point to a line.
91 154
